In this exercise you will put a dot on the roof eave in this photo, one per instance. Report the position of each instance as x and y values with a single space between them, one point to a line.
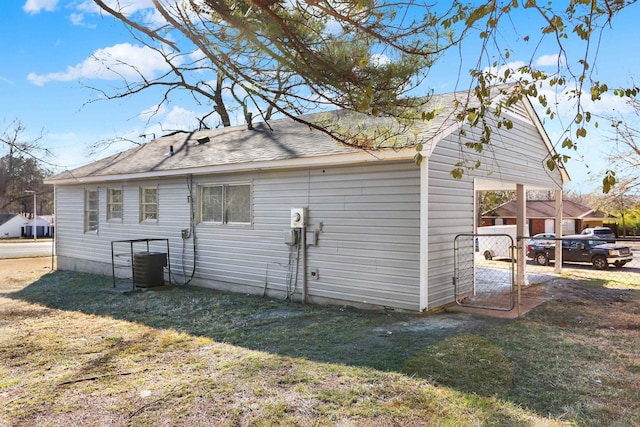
318 161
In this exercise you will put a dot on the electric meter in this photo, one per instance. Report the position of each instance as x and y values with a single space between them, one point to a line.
298 217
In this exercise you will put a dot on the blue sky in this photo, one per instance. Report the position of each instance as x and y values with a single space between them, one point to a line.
46 47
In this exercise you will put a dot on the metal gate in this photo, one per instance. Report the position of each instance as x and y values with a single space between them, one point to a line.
484 271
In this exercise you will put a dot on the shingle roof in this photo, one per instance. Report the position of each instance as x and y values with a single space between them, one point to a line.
5 217
276 140
547 209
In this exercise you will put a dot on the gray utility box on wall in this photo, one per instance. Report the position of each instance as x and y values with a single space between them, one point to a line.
148 268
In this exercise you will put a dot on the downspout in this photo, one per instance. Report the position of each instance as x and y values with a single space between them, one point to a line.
54 240
192 226
424 236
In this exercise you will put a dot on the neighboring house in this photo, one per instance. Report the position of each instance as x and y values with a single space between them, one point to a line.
541 216
12 225
380 229
44 225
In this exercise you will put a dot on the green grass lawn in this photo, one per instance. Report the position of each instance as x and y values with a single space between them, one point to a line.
73 354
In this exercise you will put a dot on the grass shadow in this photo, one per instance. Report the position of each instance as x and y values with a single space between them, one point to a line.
379 339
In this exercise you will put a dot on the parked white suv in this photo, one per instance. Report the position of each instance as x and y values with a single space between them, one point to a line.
603 233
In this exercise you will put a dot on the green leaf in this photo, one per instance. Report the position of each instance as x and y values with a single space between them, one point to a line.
457 173
551 165
428 115
608 181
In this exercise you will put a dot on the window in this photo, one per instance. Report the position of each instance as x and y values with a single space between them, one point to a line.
211 203
91 212
225 204
148 204
114 204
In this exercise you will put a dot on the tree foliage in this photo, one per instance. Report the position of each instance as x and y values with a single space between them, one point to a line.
372 56
626 155
287 57
21 170
489 200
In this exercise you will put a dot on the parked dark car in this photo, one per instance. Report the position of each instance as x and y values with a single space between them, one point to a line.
583 249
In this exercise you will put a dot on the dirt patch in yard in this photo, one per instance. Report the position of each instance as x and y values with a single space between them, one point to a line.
565 290
15 272
591 306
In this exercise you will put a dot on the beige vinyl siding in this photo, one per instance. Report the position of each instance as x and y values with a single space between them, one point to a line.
517 156
369 248
73 244
367 217
516 159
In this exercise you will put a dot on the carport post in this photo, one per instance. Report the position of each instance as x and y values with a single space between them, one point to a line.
521 223
558 231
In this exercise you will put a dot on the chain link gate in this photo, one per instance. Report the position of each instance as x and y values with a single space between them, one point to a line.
484 271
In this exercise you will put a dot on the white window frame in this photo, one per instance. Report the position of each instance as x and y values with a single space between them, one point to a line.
89 210
111 204
224 206
144 212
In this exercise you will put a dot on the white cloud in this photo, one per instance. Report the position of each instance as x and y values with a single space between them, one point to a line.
549 60
158 120
6 80
78 20
197 55
565 103
179 118
37 6
154 110
147 12
511 66
164 119
88 6
562 100
127 8
153 17
111 63
378 60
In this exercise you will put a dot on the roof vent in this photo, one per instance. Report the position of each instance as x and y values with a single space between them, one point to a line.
203 140
249 118
171 152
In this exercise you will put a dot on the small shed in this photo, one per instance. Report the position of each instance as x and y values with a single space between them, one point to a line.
283 209
541 216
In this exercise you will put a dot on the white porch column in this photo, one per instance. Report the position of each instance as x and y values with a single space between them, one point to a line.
558 231
424 234
521 223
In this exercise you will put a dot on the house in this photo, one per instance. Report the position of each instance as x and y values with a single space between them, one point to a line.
541 216
285 210
12 225
44 226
